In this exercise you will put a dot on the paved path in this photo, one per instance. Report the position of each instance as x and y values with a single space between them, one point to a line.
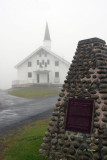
15 109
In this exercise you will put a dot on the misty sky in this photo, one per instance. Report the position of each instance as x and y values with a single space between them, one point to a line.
22 27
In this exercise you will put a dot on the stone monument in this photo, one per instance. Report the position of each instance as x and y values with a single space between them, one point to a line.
78 126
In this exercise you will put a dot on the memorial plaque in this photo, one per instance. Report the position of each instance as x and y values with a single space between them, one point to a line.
79 115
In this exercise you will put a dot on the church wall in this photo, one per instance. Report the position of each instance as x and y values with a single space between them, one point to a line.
35 69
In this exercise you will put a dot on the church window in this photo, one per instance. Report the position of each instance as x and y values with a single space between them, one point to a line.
40 54
29 74
37 62
42 61
56 74
45 54
45 64
56 63
48 62
29 64
41 65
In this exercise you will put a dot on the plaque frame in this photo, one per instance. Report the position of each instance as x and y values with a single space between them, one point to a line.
72 123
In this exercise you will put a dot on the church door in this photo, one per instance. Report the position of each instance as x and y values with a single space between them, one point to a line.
37 78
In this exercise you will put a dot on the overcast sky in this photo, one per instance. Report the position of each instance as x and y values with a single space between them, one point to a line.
22 27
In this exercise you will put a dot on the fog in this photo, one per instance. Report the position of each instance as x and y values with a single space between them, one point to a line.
22 27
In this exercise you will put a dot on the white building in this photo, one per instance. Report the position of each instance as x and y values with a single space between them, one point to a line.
42 66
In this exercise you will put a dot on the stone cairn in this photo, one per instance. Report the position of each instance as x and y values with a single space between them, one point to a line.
87 79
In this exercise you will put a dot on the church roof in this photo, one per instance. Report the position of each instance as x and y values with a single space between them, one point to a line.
47 35
50 52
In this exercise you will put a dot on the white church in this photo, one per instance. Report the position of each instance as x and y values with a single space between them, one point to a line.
42 67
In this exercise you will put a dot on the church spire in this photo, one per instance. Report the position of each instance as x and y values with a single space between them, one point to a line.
47 35
47 40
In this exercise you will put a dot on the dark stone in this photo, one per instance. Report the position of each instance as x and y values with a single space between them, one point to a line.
84 158
97 113
45 146
72 151
104 150
102 72
104 142
96 119
66 150
67 144
103 86
54 141
66 138
75 144
103 81
93 92
104 119
94 76
55 114
91 40
104 108
84 147
104 97
103 91
94 96
96 156
105 102
97 125
94 86
105 157
47 134
105 114
72 138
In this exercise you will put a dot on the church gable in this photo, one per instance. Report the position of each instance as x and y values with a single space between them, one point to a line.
41 53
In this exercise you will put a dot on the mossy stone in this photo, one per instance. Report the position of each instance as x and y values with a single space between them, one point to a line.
105 102
104 142
93 92
84 157
97 125
83 146
72 151
94 96
96 156
103 91
103 85
104 150
96 119
104 108
105 157
75 144
104 97
104 119
94 76
65 150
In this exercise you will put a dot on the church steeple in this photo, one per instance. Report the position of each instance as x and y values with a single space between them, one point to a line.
47 40
47 35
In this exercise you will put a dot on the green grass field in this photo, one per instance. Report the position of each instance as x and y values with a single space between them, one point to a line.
34 93
26 144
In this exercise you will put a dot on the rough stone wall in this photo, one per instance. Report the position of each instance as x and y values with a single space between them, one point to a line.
87 78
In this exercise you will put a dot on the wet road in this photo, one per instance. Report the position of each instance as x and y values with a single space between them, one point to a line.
15 109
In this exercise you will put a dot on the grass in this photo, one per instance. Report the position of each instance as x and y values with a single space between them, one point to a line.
34 93
26 144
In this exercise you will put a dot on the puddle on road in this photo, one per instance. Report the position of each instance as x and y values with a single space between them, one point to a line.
7 114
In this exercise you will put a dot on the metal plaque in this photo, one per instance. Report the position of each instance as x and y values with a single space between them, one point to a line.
79 115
